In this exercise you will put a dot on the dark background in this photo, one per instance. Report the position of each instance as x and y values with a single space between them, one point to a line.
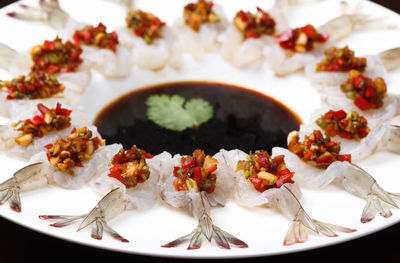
18 244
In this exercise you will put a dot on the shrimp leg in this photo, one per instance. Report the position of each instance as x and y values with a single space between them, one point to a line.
28 178
206 229
360 183
108 207
302 223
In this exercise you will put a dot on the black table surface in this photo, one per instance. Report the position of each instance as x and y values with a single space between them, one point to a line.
19 244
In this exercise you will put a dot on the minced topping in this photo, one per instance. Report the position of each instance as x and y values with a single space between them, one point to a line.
129 166
37 85
365 92
46 121
196 14
97 36
254 25
144 25
346 125
316 150
56 57
341 59
196 173
265 172
64 154
301 39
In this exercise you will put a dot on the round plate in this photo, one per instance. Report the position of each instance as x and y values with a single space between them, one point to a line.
262 228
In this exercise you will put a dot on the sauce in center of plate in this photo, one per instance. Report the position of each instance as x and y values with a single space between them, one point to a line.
243 119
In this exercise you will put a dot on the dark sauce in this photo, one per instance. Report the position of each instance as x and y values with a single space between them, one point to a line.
243 119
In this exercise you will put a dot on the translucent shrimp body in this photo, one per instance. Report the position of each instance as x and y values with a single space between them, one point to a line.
199 203
286 199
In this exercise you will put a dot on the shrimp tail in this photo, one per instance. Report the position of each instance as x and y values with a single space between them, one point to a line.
353 20
303 225
206 229
28 178
49 11
109 206
7 55
360 183
390 58
391 137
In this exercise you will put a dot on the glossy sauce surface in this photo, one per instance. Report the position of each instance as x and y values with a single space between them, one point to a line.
243 119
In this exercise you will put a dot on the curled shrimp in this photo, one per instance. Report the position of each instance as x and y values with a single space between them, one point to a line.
28 178
111 205
352 20
205 228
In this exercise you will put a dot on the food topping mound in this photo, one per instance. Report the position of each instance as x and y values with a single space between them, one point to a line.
265 172
144 25
196 173
341 59
97 36
254 25
196 14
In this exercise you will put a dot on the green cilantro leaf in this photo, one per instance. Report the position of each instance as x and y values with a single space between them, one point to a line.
171 112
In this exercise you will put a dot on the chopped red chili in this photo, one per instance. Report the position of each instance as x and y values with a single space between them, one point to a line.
46 121
365 92
56 57
196 173
129 167
144 25
96 36
317 150
301 39
346 125
79 147
341 59
196 14
265 172
37 85
254 25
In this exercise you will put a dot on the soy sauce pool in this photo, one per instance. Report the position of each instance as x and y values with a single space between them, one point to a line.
243 119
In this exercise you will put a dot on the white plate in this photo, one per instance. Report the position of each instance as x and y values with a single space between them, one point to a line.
262 228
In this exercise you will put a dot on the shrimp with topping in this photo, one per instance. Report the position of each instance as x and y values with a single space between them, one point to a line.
262 180
68 162
196 183
129 183
198 28
318 161
242 42
27 137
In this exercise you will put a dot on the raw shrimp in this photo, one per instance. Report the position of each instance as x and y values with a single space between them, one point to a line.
197 194
114 61
239 42
121 194
61 165
27 137
198 29
281 193
285 61
150 42
20 96
352 178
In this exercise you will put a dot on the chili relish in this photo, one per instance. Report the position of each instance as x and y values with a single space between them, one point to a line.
254 25
56 57
37 85
316 150
129 166
265 172
365 92
350 125
96 36
72 152
196 173
196 14
144 25
341 59
46 121
301 39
